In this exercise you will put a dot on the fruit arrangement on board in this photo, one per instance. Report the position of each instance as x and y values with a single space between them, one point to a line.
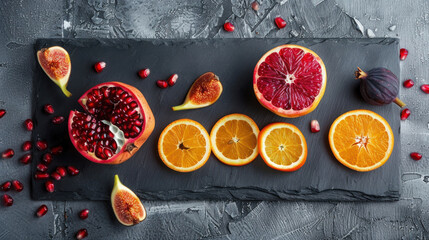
289 80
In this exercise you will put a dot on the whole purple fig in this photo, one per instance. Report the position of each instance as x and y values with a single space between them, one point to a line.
379 86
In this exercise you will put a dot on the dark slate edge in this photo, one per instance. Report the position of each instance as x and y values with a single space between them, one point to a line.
247 194
126 43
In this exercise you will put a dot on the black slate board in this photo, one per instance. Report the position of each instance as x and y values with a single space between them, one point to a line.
233 60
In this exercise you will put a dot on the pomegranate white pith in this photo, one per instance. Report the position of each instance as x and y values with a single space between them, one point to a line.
117 121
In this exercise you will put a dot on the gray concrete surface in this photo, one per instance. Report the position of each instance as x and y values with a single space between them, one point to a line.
23 21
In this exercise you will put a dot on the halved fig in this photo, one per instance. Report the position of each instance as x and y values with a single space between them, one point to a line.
55 62
126 205
204 92
117 122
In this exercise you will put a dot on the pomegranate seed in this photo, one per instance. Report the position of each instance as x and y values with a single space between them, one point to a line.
405 113
81 234
58 120
26 159
61 171
280 22
416 156
255 5
7 200
99 66
41 145
403 53
42 167
2 112
49 185
144 73
49 109
172 79
162 84
27 146
42 210
41 175
72 170
84 214
55 176
425 88
28 124
17 185
57 150
47 158
408 83
8 153
314 126
229 27
6 186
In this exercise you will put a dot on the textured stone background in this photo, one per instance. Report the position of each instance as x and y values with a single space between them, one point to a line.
21 22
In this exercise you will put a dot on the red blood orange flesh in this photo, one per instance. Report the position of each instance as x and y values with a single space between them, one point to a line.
290 80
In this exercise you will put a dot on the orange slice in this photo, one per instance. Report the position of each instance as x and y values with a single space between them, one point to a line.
361 140
234 139
282 146
184 145
290 80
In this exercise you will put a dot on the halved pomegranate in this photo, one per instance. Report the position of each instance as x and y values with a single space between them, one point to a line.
117 122
290 80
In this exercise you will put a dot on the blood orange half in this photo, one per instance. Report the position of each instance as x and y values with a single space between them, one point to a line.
290 80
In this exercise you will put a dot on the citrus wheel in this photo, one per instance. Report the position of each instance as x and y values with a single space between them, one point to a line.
234 139
282 146
184 145
361 140
290 80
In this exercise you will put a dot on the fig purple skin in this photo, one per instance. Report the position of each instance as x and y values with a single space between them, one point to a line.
379 86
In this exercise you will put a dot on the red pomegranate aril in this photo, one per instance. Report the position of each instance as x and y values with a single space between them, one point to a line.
42 167
172 79
55 176
72 170
6 186
99 66
26 159
408 83
27 146
144 73
405 113
81 234
57 150
255 5
28 124
17 185
425 88
280 22
8 153
58 120
49 109
47 158
314 126
41 175
162 84
41 145
403 53
41 211
61 171
2 112
49 185
7 200
415 156
229 27
84 214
